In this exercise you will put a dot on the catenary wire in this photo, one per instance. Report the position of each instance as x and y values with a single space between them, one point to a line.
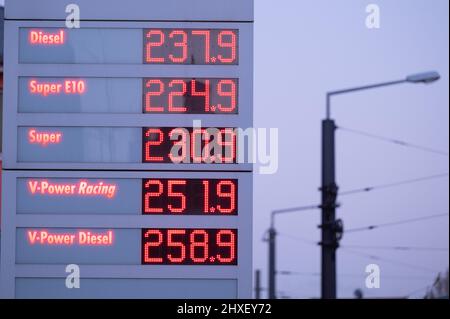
394 184
399 222
394 141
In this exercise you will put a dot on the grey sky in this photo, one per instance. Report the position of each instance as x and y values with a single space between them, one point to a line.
304 48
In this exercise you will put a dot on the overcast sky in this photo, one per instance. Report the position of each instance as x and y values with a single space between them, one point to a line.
305 48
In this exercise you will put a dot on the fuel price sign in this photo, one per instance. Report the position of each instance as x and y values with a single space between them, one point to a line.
122 150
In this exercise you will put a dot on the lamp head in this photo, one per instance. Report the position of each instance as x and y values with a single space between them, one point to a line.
426 77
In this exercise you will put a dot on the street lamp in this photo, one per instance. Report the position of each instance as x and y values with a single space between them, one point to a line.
425 78
271 239
331 228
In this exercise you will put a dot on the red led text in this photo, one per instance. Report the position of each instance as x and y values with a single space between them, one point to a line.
193 145
189 196
81 188
44 138
189 246
55 88
81 237
36 37
195 96
191 46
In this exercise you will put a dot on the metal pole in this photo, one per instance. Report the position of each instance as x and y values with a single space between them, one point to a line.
329 194
272 271
328 113
272 245
258 284
332 229
359 88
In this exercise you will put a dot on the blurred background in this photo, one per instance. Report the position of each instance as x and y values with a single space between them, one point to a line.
306 48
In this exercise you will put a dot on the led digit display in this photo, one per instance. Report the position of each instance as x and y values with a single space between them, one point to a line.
191 46
188 145
190 196
176 246
194 96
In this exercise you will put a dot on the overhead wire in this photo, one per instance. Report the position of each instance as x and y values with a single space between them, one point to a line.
393 184
399 248
396 223
394 141
388 260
